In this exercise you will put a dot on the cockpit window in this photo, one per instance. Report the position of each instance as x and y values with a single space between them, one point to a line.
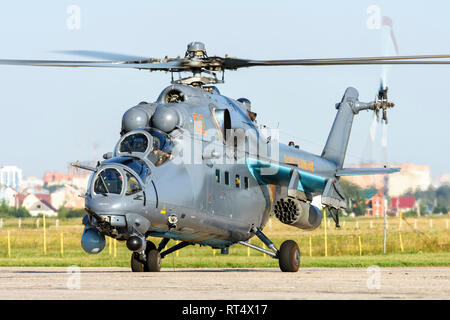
108 181
133 185
137 166
134 143
162 148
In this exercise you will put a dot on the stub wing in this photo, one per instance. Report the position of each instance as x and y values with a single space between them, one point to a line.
364 171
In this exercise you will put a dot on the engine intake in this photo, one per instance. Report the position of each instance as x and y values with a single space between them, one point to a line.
297 213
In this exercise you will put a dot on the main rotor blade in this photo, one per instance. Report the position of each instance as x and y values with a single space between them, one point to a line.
105 55
173 65
235 63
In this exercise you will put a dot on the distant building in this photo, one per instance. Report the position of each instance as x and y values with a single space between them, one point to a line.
402 204
36 203
67 196
75 177
11 176
374 202
410 177
32 183
8 195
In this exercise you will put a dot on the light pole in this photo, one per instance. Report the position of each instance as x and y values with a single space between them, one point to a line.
385 211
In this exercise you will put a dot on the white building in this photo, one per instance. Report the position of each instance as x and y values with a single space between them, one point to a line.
8 195
11 176
31 183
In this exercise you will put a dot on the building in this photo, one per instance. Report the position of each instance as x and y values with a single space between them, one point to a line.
32 183
374 202
8 195
75 177
36 203
410 177
402 204
11 176
68 197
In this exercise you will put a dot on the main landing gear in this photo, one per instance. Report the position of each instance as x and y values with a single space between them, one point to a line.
150 259
288 256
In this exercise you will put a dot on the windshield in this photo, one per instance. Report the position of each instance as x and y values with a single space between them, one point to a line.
137 166
108 181
134 143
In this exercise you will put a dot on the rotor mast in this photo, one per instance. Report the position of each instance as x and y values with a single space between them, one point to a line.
196 56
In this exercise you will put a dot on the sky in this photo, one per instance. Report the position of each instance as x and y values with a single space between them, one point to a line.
52 116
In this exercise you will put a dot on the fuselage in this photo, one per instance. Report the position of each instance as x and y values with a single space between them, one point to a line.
214 170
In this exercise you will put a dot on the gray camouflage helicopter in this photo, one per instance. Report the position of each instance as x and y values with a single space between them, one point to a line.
196 167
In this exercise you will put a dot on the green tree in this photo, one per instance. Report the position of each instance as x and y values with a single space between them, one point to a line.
356 200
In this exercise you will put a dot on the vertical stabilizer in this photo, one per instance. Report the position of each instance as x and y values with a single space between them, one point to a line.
337 141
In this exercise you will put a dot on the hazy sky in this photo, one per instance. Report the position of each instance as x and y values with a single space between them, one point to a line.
52 116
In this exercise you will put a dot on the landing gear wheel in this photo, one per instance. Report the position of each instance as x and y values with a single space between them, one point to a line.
136 264
289 256
149 246
153 261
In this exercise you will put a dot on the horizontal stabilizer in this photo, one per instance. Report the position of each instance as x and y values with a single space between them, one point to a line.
364 171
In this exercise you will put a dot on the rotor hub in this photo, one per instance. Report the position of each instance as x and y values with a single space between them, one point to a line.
196 49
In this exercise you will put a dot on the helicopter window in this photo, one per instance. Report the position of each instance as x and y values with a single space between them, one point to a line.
246 182
133 185
108 181
237 181
156 143
158 157
134 143
217 175
227 178
137 166
161 149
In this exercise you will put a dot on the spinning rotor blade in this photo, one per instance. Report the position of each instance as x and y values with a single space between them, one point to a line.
174 65
106 55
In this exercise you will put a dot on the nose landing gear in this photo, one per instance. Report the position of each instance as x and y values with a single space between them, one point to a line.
139 260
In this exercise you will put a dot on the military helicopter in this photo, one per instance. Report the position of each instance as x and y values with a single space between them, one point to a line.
195 166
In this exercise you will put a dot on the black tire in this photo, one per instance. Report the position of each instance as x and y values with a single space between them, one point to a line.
289 256
150 246
136 264
153 261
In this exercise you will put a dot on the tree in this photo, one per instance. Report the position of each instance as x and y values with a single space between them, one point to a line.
356 199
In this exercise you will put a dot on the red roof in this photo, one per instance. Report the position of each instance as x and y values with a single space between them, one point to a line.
403 202
45 197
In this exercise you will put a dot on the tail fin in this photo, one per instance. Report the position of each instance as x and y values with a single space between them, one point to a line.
337 141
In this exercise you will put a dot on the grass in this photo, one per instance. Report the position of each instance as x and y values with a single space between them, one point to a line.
422 244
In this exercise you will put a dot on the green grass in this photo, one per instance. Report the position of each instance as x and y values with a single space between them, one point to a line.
423 244
26 259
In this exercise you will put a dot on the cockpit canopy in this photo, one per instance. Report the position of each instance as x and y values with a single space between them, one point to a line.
112 181
150 144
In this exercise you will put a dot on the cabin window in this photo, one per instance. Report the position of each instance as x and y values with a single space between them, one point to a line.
246 182
227 178
237 181
217 175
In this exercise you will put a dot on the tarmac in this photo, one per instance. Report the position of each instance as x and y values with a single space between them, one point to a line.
73 283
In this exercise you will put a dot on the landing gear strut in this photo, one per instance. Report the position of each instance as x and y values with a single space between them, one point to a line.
150 261
288 256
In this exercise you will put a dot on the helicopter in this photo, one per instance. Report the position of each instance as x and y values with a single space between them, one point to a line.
196 167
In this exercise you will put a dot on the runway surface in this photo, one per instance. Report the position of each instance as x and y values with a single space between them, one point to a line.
265 284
